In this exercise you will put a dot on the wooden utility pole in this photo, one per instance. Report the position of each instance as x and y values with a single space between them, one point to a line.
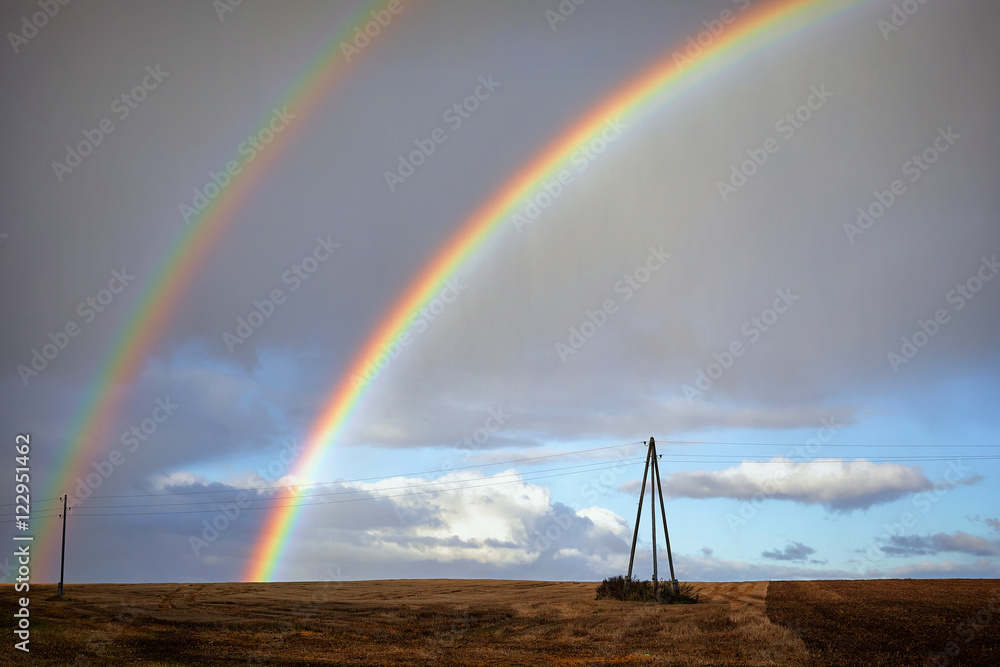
663 513
652 513
656 488
638 514
62 562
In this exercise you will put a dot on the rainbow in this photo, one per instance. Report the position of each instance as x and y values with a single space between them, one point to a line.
179 267
665 80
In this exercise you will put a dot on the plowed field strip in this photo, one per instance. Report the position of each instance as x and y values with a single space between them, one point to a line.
892 622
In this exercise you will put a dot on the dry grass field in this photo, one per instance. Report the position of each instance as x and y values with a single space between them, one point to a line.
485 622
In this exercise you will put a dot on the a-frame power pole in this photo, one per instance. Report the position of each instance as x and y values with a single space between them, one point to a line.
656 488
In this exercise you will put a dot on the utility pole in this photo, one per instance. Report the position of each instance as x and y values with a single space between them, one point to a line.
638 513
62 562
656 488
652 513
666 536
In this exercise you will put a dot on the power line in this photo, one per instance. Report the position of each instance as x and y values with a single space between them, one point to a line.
378 477
351 500
716 458
448 486
558 455
349 481
826 445
600 465
587 467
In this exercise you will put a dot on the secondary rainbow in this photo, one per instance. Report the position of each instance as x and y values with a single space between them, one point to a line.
179 266
664 81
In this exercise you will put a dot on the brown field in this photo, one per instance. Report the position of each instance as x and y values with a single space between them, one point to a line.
892 622
486 622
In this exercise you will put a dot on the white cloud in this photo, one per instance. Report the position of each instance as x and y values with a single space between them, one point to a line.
834 483
180 478
468 517
602 565
604 520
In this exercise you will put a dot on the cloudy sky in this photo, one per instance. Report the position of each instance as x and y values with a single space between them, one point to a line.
784 274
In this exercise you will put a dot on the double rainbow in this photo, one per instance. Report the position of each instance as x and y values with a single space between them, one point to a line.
665 81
